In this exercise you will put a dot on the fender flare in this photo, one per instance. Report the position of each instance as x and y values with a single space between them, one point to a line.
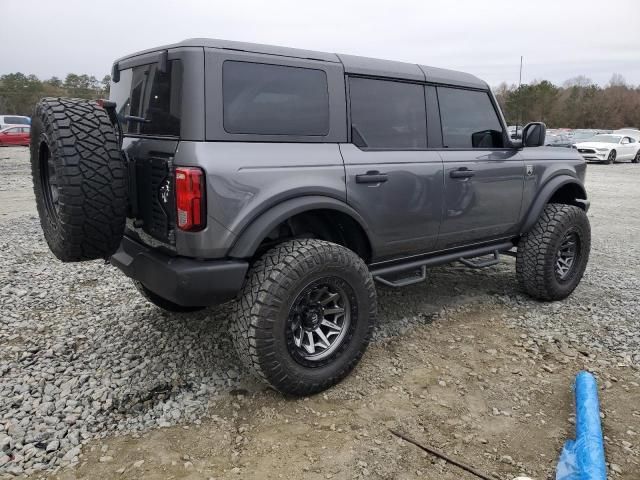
250 238
545 194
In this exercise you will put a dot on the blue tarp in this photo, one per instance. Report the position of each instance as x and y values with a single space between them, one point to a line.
583 458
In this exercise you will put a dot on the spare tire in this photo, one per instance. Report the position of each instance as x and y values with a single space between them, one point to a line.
79 178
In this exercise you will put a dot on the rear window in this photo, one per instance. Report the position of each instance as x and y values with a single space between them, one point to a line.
149 101
263 99
387 114
16 121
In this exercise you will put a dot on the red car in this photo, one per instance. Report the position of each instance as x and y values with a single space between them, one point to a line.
15 136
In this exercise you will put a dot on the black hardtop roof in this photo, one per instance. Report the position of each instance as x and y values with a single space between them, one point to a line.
352 63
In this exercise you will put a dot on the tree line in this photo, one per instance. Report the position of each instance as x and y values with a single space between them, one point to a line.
578 103
19 92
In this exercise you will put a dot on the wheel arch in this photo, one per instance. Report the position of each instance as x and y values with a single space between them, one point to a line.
351 233
563 189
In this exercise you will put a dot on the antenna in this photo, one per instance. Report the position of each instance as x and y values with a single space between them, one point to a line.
519 84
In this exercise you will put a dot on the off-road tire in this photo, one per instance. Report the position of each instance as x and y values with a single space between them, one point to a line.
261 314
162 302
88 220
537 250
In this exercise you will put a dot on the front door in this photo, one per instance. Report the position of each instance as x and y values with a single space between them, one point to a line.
483 179
393 181
13 136
627 150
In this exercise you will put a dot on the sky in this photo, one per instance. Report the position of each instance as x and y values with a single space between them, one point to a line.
558 39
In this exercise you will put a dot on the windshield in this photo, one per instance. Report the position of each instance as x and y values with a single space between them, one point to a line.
149 101
605 139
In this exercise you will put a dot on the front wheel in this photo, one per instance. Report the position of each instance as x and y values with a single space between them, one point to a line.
612 157
305 316
552 257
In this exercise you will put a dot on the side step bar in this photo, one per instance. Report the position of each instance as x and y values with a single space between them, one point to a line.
463 256
482 263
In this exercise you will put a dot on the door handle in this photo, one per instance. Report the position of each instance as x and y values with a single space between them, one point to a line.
372 176
462 173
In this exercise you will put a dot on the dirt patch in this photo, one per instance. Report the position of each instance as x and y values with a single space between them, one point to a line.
467 384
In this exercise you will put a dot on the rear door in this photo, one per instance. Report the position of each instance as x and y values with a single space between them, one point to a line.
25 135
393 181
483 179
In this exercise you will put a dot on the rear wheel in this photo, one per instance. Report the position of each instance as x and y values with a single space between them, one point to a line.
79 179
305 316
636 159
612 157
552 257
162 302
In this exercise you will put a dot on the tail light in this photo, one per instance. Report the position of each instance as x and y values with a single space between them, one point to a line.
190 206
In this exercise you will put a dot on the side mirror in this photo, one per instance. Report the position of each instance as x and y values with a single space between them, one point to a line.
533 134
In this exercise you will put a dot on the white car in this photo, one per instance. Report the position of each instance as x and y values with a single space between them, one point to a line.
13 121
610 148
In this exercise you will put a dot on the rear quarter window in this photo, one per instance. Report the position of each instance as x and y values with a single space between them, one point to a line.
264 99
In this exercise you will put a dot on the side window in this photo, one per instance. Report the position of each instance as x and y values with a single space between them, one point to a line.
468 119
626 140
267 99
155 97
387 114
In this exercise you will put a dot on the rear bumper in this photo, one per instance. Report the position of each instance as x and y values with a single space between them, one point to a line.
181 280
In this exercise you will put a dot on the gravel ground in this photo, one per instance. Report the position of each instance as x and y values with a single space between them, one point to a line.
83 356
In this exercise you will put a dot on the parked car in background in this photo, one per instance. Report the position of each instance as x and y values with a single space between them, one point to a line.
582 135
610 148
11 120
557 140
15 136
631 132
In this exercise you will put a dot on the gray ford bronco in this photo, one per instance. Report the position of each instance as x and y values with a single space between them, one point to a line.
288 181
